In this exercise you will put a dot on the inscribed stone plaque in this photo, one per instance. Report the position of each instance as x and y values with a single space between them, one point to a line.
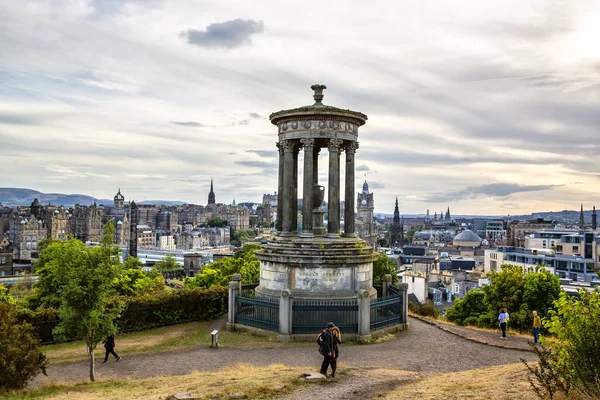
322 279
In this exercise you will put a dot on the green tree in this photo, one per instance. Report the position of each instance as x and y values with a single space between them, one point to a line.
574 324
382 266
88 302
20 358
217 222
132 281
5 297
468 310
168 265
220 272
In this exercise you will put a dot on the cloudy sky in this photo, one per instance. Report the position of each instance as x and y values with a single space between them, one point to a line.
488 107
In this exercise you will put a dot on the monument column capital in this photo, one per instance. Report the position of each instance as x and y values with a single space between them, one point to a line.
351 147
334 144
288 145
308 144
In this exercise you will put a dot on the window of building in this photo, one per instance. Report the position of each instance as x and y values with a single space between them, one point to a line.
575 249
559 248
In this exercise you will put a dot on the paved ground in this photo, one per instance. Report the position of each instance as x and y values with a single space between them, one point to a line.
423 349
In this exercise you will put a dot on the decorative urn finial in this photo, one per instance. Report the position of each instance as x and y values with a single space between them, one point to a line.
318 96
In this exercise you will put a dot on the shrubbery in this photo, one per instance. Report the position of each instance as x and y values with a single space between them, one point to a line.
426 309
521 293
220 272
20 358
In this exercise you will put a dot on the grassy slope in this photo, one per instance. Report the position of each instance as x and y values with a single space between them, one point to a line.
159 339
255 382
490 383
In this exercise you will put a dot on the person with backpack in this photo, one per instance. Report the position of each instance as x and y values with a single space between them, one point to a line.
328 341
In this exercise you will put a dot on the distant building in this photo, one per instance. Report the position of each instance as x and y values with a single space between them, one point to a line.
86 223
211 194
25 235
365 224
6 257
396 229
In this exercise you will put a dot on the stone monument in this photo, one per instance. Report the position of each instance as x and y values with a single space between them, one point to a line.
320 263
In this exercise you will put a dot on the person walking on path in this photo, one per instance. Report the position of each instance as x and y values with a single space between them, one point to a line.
537 324
329 349
503 319
109 345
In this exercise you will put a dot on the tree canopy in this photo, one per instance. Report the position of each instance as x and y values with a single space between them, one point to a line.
220 272
519 292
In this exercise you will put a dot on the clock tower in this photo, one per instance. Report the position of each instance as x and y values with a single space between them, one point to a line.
365 224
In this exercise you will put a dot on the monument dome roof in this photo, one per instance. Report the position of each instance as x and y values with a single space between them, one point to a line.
317 109
467 238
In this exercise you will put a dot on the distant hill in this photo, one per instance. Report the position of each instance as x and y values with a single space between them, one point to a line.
24 197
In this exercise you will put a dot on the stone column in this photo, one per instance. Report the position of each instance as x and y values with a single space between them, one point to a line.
316 168
364 316
295 190
285 316
349 195
333 195
234 291
279 190
404 295
385 284
288 187
307 197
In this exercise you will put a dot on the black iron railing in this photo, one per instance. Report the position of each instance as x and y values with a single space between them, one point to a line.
387 311
310 316
259 312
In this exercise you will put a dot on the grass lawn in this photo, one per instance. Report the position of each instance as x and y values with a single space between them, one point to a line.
254 382
159 339
491 383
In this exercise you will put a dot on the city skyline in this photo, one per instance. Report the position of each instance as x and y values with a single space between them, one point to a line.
490 109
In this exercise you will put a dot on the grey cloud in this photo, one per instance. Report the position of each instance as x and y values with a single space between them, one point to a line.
253 163
487 190
188 123
376 185
264 153
255 116
227 34
363 168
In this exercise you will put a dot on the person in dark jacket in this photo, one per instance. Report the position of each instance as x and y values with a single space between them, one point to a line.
109 345
329 350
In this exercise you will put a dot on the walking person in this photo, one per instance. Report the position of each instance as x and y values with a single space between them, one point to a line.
337 339
328 349
109 345
503 318
537 324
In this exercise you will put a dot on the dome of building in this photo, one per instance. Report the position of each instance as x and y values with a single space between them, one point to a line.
467 238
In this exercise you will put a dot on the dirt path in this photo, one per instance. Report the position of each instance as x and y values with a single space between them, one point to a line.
424 349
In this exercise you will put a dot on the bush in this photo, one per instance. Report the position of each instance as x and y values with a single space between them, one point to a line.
20 359
171 307
468 308
144 312
575 325
426 310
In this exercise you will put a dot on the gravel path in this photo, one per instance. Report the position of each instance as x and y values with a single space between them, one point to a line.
423 349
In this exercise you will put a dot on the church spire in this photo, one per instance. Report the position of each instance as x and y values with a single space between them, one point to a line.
448 214
581 219
594 220
211 195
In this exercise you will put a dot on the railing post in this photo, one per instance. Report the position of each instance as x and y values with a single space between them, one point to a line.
235 288
364 316
385 283
404 296
285 315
